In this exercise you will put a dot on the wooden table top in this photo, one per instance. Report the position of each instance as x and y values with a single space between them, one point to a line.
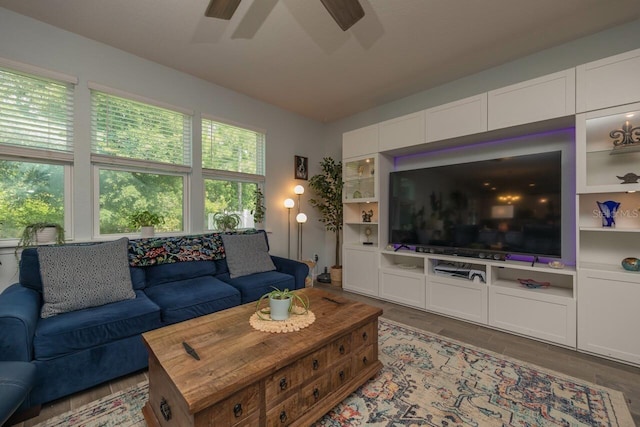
234 355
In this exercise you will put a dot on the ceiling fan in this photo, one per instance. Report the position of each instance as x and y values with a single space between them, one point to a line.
344 12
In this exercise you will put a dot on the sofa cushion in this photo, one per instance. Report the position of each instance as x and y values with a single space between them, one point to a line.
252 287
186 299
77 330
77 277
247 254
164 273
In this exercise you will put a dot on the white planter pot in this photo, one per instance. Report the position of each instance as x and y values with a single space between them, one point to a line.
147 231
279 308
46 235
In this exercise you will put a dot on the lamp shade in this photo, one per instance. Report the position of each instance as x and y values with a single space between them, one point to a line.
288 203
301 218
298 189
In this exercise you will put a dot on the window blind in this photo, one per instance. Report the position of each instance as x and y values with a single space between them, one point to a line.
230 148
35 112
134 130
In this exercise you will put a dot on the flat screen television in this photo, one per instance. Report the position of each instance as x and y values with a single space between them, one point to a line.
509 205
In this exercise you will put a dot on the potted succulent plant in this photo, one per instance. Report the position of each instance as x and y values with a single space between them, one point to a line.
146 222
281 304
226 221
328 188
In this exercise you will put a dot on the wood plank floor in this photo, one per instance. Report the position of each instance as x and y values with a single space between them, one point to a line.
604 372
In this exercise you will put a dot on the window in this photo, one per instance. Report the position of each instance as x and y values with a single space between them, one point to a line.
233 168
142 155
36 149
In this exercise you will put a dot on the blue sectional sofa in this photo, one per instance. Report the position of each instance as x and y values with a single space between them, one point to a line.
171 280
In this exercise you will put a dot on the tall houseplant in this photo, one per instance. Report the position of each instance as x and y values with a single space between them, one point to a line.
328 188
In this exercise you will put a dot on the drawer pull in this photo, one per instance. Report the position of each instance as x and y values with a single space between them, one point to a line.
283 383
165 409
341 349
364 360
316 393
364 336
341 375
316 364
283 417
237 410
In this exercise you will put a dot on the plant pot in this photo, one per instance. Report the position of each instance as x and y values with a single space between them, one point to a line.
46 235
148 231
279 308
336 276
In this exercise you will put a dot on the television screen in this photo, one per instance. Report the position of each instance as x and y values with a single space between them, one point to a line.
509 205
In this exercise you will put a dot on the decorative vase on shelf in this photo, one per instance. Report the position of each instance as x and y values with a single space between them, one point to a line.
608 211
631 264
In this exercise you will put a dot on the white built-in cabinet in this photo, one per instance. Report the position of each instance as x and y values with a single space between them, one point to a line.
592 307
454 119
535 100
608 82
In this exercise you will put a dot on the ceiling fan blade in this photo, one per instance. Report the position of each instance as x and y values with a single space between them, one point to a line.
222 9
344 12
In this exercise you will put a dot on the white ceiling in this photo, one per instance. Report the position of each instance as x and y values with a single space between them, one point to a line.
290 53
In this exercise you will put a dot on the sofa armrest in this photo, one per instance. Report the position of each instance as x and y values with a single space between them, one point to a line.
299 270
19 314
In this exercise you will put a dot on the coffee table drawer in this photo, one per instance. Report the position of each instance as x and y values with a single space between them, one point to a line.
285 413
339 348
236 408
283 381
364 358
365 335
314 363
341 374
314 392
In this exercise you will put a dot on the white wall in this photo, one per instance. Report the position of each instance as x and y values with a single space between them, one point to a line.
28 41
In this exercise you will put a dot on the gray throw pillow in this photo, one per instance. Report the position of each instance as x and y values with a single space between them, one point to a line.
81 276
247 254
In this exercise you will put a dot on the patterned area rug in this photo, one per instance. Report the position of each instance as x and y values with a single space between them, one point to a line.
427 380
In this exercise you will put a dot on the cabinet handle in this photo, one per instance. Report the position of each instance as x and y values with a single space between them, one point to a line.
283 383
341 349
283 417
237 410
316 364
316 393
165 409
364 336
364 360
341 375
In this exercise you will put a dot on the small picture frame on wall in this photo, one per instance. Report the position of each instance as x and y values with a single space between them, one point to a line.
301 165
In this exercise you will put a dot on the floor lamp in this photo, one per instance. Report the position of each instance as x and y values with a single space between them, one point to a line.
301 218
288 203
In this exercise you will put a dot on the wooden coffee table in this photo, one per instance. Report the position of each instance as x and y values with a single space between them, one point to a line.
247 377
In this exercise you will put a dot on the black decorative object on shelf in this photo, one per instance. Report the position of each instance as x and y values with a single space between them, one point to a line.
625 138
366 216
629 178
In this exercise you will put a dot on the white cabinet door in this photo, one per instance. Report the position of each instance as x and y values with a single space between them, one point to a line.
360 142
405 131
360 271
608 314
544 98
408 289
548 317
458 298
459 118
608 82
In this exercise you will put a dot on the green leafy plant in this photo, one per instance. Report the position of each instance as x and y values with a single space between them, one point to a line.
145 219
258 210
226 221
328 188
296 300
29 236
